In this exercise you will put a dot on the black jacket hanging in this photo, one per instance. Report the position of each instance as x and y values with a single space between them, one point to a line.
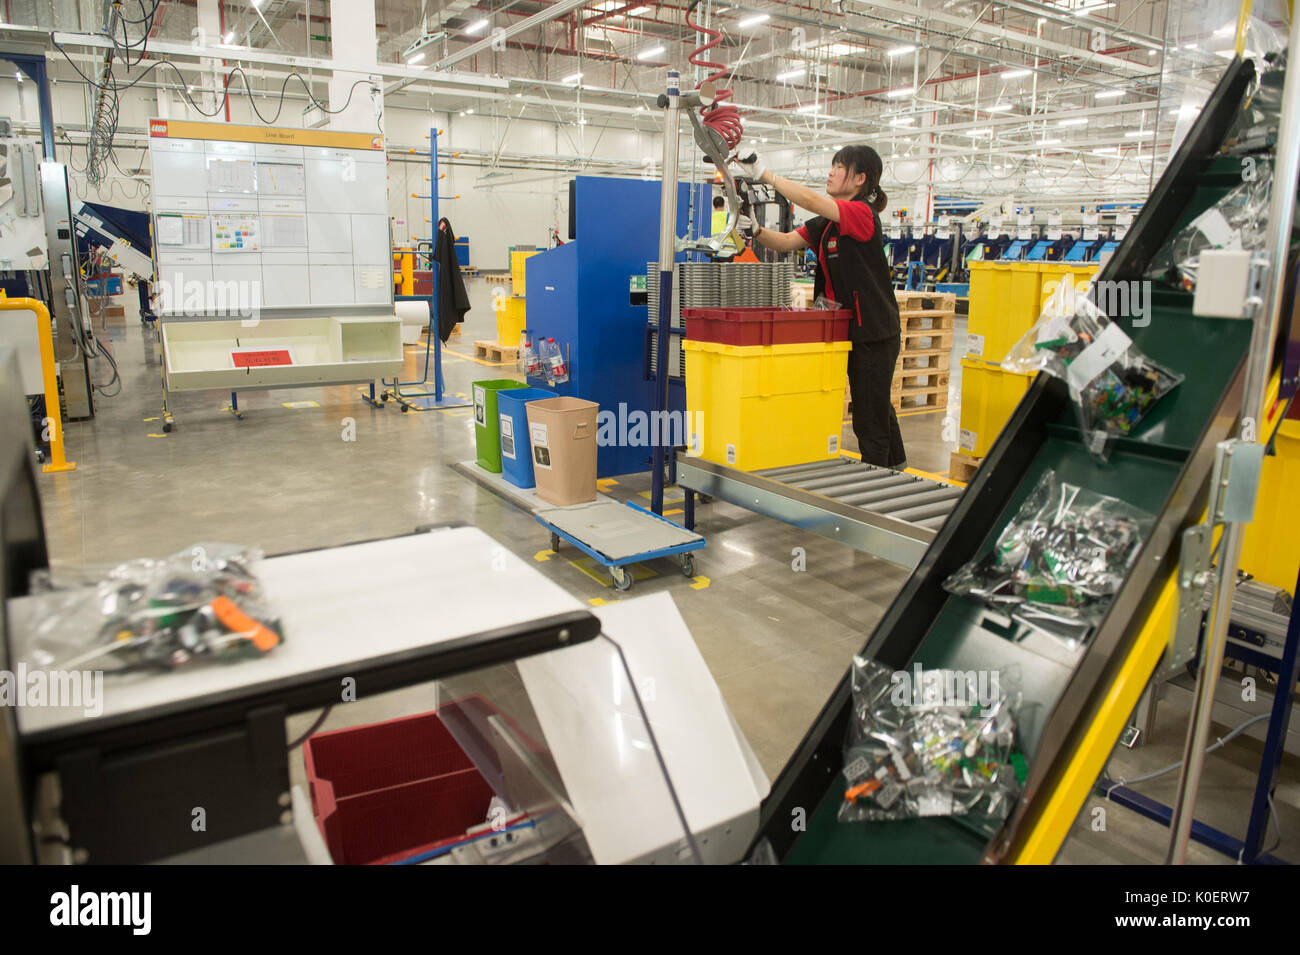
453 300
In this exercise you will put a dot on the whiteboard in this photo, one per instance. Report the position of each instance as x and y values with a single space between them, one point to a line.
300 213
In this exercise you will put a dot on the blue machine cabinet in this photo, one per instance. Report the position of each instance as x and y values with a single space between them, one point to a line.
578 294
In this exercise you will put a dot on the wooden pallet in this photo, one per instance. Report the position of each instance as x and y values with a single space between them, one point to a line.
933 339
930 397
942 301
962 467
933 359
491 351
911 378
937 321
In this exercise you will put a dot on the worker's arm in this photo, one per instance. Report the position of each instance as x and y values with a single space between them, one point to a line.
779 241
818 204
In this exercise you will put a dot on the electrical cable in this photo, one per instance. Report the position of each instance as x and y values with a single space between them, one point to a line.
1218 744
320 721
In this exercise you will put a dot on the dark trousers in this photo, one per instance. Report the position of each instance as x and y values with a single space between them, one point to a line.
871 375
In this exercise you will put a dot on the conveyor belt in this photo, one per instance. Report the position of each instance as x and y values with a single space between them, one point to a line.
889 514
1083 697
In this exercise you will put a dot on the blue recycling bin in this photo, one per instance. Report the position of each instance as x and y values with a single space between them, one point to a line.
516 453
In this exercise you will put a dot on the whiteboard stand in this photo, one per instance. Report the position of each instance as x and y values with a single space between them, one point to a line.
424 400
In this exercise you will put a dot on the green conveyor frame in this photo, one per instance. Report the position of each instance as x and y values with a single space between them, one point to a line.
1163 468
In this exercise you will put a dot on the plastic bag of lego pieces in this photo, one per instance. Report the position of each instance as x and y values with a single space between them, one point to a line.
1238 221
1112 384
930 743
203 603
1059 562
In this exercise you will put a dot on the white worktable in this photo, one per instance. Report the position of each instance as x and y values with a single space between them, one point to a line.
339 606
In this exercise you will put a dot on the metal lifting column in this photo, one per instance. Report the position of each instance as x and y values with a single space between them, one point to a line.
670 102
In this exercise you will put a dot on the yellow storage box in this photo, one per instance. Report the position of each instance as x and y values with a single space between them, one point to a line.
1271 548
1006 299
510 320
517 260
765 406
988 397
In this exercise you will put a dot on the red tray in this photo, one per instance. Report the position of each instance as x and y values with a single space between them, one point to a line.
766 326
381 790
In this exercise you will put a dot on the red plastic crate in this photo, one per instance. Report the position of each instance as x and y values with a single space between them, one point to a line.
381 791
766 326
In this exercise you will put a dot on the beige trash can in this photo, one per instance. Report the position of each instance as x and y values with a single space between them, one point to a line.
562 434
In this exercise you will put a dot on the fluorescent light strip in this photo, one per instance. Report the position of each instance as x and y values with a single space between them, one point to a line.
792 74
647 54
902 122
572 78
1111 94
1016 74
900 50
810 108
754 21
997 108
1072 122
895 94
415 59
476 26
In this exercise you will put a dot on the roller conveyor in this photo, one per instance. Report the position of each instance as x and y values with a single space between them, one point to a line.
889 514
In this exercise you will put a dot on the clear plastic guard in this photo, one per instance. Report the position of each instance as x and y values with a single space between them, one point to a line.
492 717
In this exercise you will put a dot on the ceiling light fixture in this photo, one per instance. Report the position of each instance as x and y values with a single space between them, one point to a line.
476 26
998 108
1111 94
810 108
1073 122
1049 142
229 37
647 54
1016 74
791 74
895 94
900 50
907 121
415 59
572 78
754 20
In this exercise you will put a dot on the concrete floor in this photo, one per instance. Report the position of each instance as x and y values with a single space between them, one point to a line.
284 479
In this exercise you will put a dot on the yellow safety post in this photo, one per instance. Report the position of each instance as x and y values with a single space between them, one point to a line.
45 333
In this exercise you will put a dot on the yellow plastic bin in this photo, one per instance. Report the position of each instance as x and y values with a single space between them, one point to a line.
1005 299
988 397
517 260
1051 273
765 406
510 320
562 432
1271 547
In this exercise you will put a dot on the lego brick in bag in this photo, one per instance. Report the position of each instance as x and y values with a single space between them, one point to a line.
1059 562
1112 384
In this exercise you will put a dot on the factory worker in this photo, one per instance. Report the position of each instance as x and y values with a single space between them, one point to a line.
845 234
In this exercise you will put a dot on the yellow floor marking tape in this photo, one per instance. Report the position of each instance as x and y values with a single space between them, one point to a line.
151 419
700 583
605 483
544 554
157 435
600 601
600 574
904 414
675 510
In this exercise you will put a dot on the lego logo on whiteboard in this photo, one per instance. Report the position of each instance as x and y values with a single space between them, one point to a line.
376 142
158 128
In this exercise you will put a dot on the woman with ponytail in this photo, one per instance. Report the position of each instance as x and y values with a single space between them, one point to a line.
852 270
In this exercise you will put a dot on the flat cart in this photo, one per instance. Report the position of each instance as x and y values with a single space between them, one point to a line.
617 534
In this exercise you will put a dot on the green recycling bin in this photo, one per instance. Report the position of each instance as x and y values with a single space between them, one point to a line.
487 423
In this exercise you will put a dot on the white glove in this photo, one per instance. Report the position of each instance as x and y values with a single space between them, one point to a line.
746 226
753 171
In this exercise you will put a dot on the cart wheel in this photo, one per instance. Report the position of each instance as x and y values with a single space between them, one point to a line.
167 427
622 579
555 542
688 564
405 409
